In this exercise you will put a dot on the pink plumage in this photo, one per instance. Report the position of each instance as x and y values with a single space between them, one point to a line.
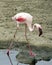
20 19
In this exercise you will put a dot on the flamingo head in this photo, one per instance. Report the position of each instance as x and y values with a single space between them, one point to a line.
39 28
40 31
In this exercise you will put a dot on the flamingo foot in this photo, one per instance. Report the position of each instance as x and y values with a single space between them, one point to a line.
8 52
32 54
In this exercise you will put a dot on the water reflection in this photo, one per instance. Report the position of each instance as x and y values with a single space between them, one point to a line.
44 62
5 61
4 58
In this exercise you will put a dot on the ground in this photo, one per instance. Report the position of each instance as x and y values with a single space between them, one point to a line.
42 13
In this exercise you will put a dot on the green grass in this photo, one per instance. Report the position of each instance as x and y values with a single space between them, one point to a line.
42 13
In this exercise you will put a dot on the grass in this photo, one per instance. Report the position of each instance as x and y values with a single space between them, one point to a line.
42 13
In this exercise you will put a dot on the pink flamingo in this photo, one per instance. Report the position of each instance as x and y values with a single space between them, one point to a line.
26 19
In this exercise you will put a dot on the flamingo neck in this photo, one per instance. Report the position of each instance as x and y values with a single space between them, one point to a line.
31 28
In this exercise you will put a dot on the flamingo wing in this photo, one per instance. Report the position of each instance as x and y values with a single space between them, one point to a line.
20 19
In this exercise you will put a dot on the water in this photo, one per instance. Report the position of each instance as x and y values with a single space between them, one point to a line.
44 62
4 60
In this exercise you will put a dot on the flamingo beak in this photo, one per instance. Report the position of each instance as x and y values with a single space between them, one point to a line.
40 31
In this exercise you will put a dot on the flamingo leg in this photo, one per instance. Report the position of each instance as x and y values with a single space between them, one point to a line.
25 33
10 47
11 42
30 53
10 60
13 39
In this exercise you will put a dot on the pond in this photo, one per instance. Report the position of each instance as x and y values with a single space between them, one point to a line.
4 60
44 62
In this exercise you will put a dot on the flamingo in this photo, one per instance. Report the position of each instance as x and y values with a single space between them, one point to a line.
26 19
